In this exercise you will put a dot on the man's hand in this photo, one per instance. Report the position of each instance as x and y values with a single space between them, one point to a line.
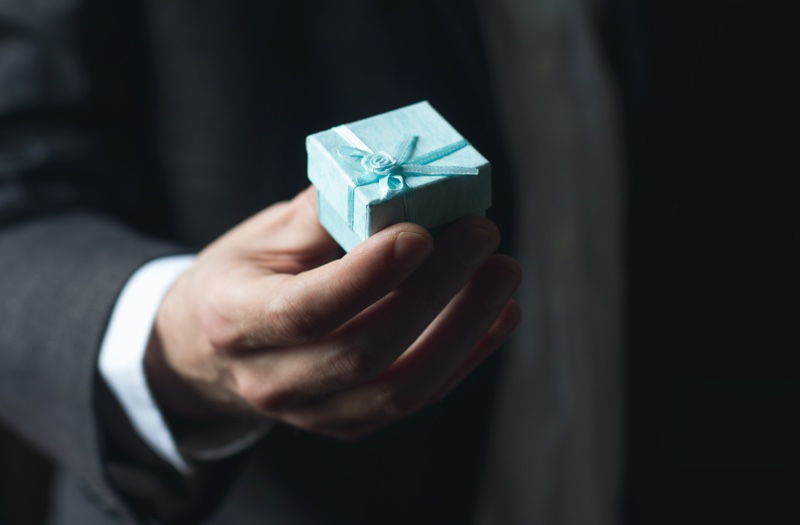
267 322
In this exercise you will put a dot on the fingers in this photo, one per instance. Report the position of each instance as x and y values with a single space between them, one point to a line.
310 305
454 334
388 328
472 326
494 338
304 231
291 372
354 414
366 346
373 336
286 237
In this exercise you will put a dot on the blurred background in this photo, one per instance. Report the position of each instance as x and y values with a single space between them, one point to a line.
713 252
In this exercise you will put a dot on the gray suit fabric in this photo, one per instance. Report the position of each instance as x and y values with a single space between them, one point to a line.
130 131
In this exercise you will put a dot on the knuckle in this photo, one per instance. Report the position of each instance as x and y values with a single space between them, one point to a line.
292 322
265 396
352 366
222 334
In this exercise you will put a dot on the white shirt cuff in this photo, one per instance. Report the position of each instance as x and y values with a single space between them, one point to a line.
121 365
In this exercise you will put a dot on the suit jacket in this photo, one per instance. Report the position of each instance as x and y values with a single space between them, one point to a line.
133 130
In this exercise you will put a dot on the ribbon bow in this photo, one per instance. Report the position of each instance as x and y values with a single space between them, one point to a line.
390 170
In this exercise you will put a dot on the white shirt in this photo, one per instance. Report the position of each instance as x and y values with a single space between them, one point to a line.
121 364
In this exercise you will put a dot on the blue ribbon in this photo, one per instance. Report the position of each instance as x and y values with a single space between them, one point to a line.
390 171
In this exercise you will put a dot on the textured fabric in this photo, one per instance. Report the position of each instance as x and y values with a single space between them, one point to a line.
556 452
52 327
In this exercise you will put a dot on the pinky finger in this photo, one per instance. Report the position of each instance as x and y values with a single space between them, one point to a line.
500 331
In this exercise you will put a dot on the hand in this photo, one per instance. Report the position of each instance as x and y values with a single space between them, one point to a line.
268 322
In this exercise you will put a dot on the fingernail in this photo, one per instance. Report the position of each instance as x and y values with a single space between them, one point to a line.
476 244
502 290
410 249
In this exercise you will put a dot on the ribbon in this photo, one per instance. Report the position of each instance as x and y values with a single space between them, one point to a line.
390 171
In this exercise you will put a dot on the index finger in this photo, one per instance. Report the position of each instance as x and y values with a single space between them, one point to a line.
310 305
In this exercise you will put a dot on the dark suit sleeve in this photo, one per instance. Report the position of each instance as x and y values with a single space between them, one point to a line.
69 195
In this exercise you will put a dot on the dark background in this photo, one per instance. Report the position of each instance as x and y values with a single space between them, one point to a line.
711 95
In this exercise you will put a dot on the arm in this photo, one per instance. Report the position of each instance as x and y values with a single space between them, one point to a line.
63 261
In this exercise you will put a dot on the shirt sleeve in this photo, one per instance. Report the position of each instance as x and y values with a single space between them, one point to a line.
121 364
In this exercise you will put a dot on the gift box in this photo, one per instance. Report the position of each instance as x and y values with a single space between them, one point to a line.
409 164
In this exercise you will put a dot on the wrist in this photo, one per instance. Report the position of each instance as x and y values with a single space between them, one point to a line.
172 393
200 430
185 386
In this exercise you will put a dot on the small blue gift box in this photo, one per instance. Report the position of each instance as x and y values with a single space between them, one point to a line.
405 165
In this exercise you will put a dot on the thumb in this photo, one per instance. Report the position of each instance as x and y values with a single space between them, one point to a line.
284 238
303 231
